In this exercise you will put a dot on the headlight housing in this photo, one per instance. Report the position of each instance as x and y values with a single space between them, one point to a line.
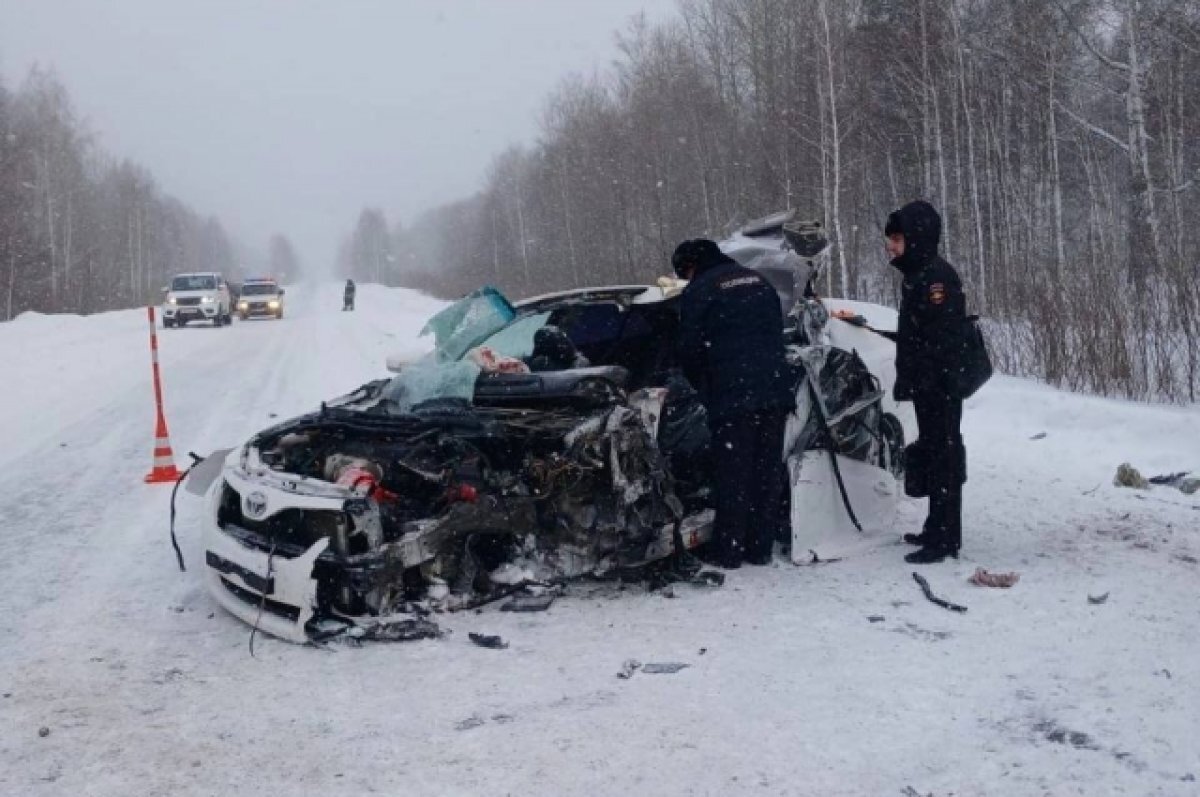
207 300
243 305
171 300
273 304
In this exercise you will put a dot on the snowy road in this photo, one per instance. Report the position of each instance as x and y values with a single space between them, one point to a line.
147 688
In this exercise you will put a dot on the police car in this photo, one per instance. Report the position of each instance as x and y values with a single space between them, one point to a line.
262 297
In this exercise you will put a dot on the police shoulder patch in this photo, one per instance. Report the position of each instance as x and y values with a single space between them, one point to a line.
937 293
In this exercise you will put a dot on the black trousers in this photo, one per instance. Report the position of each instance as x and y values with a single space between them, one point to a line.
939 419
749 476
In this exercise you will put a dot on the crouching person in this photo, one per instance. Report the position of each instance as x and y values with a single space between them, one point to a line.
731 349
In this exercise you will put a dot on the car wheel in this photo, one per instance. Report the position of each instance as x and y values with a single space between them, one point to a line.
167 324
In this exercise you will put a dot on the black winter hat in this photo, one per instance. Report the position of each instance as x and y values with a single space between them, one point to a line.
921 227
698 252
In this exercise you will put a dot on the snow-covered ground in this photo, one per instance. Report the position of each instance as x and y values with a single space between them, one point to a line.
147 688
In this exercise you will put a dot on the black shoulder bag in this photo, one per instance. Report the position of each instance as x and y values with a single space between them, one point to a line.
970 366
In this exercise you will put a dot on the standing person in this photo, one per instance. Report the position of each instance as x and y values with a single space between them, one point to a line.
731 349
932 316
348 295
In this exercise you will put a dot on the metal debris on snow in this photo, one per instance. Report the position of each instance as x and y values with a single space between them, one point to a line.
664 667
487 641
401 631
1096 600
528 603
709 578
629 668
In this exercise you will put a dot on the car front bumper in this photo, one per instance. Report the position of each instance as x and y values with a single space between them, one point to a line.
259 309
202 312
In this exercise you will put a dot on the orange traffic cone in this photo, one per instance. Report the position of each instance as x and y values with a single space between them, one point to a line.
164 460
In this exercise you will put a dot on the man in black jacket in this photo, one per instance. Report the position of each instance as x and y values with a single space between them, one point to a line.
932 317
731 349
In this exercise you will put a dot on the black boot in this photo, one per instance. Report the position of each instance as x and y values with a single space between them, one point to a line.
921 539
930 554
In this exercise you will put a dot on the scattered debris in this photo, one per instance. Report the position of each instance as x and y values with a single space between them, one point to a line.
983 578
401 631
43 731
917 632
1039 436
629 668
945 604
1180 481
709 578
1096 600
528 603
909 791
1128 476
1187 558
664 667
1165 672
487 641
1193 507
1093 490
1059 735
468 724
702 652
816 560
668 592
875 618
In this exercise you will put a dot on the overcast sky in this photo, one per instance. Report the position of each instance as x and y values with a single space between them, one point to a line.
289 116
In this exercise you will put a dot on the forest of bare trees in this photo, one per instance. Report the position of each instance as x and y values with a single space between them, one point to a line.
81 232
1059 137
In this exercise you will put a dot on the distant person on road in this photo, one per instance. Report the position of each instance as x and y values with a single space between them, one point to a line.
731 350
348 295
932 317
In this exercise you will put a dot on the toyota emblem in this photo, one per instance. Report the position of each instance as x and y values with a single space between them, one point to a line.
256 504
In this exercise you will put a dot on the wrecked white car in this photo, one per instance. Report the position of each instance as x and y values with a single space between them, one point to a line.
540 442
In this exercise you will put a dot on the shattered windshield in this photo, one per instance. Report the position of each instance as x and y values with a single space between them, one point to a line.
465 324
516 339
481 316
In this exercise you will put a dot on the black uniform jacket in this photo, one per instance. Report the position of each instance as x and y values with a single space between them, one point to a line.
731 341
932 306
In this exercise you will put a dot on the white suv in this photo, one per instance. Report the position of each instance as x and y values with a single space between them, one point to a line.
201 296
